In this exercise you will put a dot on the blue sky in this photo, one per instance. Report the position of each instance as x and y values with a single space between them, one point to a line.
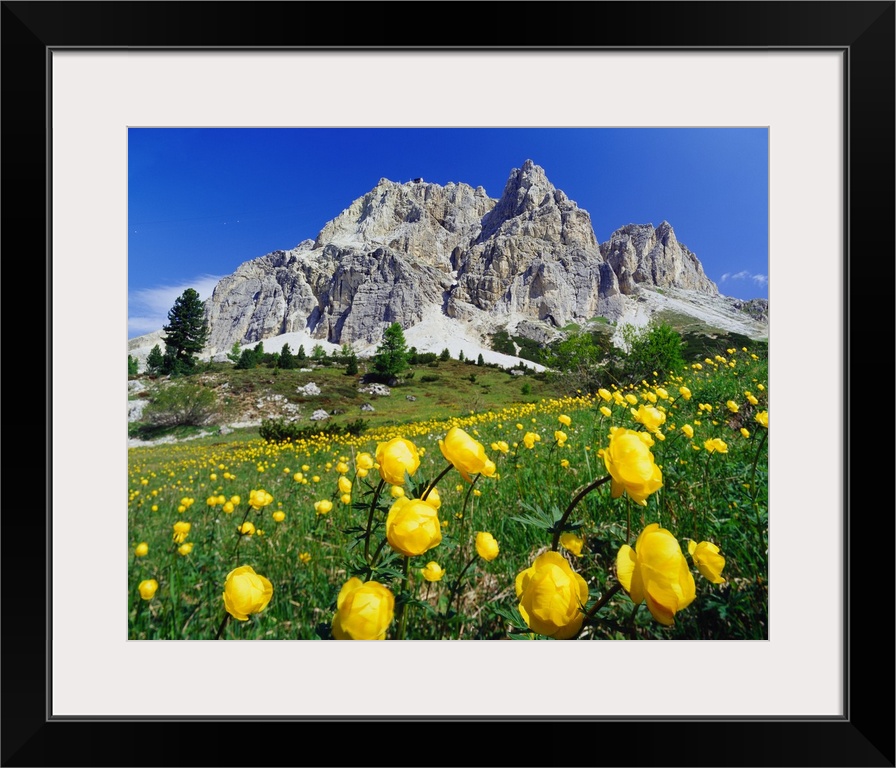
201 201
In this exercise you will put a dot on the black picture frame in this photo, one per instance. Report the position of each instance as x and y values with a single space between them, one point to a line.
864 736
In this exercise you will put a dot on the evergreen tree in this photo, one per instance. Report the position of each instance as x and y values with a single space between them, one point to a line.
351 368
186 333
391 356
300 355
132 365
318 353
446 355
460 355
155 361
287 358
235 353
480 360
247 360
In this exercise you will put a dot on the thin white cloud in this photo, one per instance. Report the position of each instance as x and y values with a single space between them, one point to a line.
744 275
148 307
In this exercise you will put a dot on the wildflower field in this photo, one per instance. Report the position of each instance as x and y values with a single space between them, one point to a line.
627 513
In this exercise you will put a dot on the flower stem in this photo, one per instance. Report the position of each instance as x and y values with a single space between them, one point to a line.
605 598
456 588
558 527
435 482
403 608
463 511
753 490
223 624
376 497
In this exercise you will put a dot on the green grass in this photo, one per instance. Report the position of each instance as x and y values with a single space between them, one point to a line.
715 497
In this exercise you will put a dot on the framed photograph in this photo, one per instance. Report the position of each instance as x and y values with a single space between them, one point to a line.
817 75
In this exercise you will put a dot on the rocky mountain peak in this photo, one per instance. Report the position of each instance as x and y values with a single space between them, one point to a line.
413 251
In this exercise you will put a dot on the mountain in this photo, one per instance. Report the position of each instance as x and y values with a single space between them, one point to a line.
422 254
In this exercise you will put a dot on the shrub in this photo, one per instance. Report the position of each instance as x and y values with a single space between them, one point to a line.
429 377
132 365
280 430
182 403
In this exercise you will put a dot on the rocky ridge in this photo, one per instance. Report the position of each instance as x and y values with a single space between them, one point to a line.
415 252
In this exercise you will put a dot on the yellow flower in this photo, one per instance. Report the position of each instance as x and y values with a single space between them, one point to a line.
344 484
364 461
572 543
147 588
656 571
530 438
564 463
181 529
466 454
688 431
762 418
605 395
560 437
631 399
142 549
500 446
279 516
732 406
412 527
708 560
185 548
716 444
305 557
396 491
395 458
247 528
346 498
552 596
433 571
684 392
260 498
631 465
652 418
246 592
564 420
745 432
433 498
486 546
323 506
662 393
752 400
364 611
342 467
606 411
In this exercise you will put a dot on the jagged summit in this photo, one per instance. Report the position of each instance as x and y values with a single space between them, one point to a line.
405 252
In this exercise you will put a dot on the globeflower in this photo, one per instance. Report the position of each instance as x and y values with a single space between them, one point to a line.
552 596
364 611
564 420
486 546
631 465
433 571
142 549
656 571
185 548
708 560
716 444
530 438
246 592
323 506
561 437
684 392
344 484
147 588
732 406
466 454
762 418
247 528
279 516
606 411
395 458
412 527
181 530
260 498
572 543
652 418
605 395
688 431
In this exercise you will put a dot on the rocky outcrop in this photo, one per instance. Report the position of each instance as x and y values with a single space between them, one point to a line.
405 252
638 253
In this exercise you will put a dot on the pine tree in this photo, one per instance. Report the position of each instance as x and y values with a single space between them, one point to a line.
235 353
287 359
446 355
300 355
391 357
186 333
155 361
351 368
480 360
132 365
